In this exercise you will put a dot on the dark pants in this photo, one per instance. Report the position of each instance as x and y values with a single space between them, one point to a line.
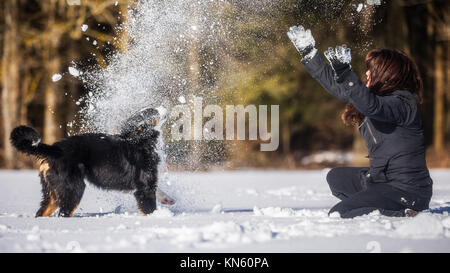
360 196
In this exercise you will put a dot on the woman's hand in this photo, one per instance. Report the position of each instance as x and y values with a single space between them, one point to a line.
339 58
303 41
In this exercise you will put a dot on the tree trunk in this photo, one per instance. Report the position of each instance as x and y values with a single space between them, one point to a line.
436 26
286 136
10 80
26 82
439 99
51 131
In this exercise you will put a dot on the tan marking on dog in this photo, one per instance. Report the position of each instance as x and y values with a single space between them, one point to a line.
44 168
141 211
51 207
74 209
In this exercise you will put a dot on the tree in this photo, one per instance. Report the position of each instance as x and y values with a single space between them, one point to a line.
10 100
437 28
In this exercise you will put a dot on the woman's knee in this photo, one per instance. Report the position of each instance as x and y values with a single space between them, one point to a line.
334 176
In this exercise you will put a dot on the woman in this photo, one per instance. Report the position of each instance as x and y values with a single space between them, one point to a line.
397 182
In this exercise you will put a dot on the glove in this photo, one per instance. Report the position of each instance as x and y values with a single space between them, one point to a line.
339 58
303 41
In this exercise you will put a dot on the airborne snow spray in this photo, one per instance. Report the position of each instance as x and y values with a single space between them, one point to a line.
176 50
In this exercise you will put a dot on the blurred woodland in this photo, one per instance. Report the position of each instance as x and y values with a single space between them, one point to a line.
41 38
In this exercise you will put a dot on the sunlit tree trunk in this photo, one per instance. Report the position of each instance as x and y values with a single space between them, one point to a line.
123 40
439 99
26 83
51 130
10 80
286 136
437 26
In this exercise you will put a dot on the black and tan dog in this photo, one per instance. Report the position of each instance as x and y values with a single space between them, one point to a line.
125 162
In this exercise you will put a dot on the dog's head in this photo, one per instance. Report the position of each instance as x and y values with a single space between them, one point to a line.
142 125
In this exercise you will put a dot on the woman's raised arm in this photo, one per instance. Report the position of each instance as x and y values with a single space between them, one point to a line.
314 64
340 81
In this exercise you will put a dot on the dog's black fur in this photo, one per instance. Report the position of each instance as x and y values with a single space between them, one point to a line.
125 162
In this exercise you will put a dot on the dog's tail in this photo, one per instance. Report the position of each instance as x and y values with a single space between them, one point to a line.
26 140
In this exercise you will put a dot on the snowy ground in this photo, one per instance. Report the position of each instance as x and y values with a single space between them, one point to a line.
244 211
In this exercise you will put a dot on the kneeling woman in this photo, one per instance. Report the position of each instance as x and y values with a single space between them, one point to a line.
385 109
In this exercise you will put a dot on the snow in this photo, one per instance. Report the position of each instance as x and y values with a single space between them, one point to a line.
217 209
446 222
338 157
422 226
233 211
181 99
360 7
56 77
152 67
73 71
374 2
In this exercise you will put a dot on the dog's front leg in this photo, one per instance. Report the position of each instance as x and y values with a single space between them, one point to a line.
146 200
146 193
